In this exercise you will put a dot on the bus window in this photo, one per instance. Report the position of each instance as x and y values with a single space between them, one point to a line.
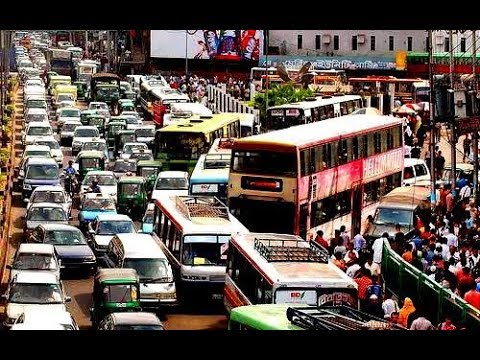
327 156
389 139
370 192
355 147
342 152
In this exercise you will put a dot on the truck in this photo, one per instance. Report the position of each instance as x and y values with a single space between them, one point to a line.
60 61
105 87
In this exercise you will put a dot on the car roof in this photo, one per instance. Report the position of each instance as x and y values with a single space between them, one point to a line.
115 274
50 227
49 188
37 326
36 148
36 277
41 161
135 318
173 174
100 172
37 111
107 217
51 316
36 248
75 122
97 196
46 205
86 127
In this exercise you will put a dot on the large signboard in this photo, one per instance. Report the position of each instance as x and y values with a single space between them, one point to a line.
347 62
229 45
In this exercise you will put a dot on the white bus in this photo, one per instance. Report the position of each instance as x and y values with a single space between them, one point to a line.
194 231
267 268
311 110
183 110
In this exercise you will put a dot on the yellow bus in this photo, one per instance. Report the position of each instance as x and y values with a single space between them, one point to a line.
179 146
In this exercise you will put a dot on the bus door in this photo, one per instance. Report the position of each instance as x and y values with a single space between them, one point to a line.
303 221
357 201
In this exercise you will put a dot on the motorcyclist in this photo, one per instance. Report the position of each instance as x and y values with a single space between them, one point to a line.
70 170
70 173
95 188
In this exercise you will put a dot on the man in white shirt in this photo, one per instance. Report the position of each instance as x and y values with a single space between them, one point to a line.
373 267
389 305
377 248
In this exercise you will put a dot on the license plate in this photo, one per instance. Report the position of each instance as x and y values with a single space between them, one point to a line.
121 305
217 296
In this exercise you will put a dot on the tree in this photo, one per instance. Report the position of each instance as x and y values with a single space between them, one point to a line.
278 95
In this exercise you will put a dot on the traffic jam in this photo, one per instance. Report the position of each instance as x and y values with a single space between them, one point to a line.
137 205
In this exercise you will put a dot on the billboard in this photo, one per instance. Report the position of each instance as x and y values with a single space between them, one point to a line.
227 45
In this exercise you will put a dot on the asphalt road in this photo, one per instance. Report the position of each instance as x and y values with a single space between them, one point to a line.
202 317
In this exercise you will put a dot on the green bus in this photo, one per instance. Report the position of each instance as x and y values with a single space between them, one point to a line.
261 317
179 145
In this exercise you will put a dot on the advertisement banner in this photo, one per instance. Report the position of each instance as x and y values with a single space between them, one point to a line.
226 45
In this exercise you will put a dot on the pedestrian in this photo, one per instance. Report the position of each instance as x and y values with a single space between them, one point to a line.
389 305
439 164
320 240
363 281
421 136
407 309
467 143
421 323
377 248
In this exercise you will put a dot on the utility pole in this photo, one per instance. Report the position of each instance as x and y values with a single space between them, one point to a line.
86 44
432 123
109 53
186 53
453 137
475 133
266 79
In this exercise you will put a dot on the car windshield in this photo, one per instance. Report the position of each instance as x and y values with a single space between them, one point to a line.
171 184
96 121
128 148
56 197
42 172
148 218
97 106
39 131
90 162
69 127
51 144
130 189
112 227
148 172
138 327
99 146
125 166
131 120
99 204
65 237
149 269
36 104
65 97
120 293
46 214
386 216
33 293
141 156
38 153
144 132
70 113
102 180
32 261
205 249
86 132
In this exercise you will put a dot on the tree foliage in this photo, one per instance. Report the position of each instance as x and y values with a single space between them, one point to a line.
279 95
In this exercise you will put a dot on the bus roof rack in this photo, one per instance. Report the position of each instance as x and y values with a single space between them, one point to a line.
290 250
201 206
337 318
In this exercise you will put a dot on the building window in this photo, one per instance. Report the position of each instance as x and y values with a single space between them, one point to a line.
299 41
372 43
409 43
354 43
390 43
426 44
447 44
335 42
463 45
317 42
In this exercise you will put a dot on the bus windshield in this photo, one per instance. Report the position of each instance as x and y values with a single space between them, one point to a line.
204 249
265 162
284 118
183 145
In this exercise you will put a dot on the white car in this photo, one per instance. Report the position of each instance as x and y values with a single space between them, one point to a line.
101 108
35 257
39 319
34 131
51 194
36 114
145 134
83 134
54 146
33 289
62 104
130 146
106 181
171 182
67 114
68 129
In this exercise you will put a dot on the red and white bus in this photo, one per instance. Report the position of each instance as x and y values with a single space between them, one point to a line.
267 268
316 176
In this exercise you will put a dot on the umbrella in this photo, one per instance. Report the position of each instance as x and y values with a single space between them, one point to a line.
406 109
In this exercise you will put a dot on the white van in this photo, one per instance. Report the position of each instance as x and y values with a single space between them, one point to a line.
171 183
415 170
142 253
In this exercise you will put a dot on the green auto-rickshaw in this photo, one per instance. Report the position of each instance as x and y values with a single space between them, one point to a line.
131 196
113 128
122 137
81 89
89 160
149 169
114 290
85 114
99 121
126 105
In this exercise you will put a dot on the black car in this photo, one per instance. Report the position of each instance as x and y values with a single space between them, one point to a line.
70 245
